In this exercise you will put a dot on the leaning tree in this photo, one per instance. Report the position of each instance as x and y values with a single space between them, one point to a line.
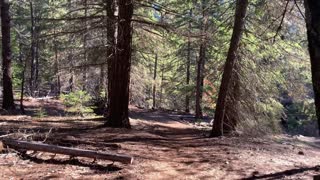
221 118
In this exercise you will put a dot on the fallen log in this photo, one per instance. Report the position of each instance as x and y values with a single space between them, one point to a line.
6 135
36 146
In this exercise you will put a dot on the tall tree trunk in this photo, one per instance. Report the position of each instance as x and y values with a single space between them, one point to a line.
161 86
188 65
111 29
162 66
201 62
37 64
8 101
199 86
57 62
313 30
241 10
231 116
120 70
21 57
24 64
154 81
33 51
71 80
85 39
22 86
37 56
71 51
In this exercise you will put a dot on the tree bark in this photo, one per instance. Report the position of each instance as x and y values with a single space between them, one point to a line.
33 51
22 86
199 87
23 63
154 81
58 83
161 85
8 101
120 68
231 116
187 110
313 31
201 62
218 124
111 29
71 52
85 43
37 63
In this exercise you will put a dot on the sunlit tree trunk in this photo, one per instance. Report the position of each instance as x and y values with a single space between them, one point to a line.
8 101
218 124
312 8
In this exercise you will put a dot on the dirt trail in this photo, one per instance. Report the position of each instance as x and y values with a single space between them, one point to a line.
186 153
164 147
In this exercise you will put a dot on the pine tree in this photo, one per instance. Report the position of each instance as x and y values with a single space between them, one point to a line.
313 32
120 68
240 14
8 101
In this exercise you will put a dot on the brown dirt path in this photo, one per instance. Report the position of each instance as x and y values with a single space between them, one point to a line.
163 147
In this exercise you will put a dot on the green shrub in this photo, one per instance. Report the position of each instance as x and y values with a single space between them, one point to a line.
41 113
77 102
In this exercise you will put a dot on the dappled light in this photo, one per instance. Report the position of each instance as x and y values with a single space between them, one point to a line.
161 89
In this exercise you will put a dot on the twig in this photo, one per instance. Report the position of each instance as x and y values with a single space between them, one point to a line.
299 9
47 135
4 136
282 19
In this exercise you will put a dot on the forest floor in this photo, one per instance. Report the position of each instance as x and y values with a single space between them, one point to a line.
164 146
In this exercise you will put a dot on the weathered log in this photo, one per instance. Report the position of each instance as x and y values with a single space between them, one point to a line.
36 146
6 135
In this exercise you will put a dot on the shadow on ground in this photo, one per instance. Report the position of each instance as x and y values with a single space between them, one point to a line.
283 174
162 146
93 166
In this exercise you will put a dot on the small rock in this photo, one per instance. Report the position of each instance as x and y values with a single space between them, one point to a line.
301 153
